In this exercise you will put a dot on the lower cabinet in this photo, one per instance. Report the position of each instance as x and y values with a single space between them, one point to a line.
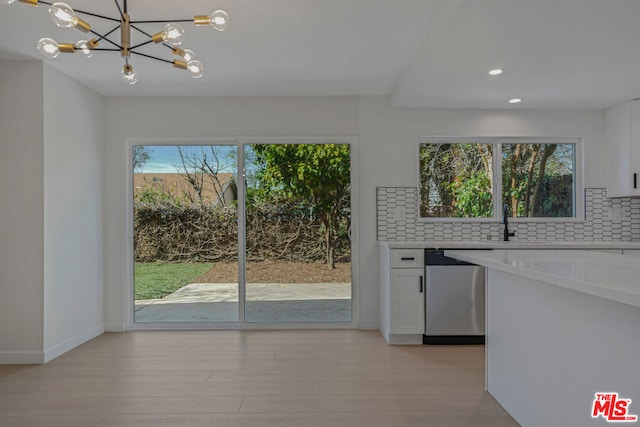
402 290
407 301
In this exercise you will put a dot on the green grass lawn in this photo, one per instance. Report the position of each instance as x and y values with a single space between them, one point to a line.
157 279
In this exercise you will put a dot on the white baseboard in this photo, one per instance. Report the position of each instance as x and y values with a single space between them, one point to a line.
368 324
21 357
115 327
405 339
73 342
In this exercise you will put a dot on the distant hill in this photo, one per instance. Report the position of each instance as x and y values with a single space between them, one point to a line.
214 192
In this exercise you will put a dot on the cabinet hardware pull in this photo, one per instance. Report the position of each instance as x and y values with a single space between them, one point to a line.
420 284
408 259
635 180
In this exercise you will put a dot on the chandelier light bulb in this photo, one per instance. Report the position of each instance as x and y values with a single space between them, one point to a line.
189 55
173 33
83 47
63 15
7 1
129 75
219 20
48 48
195 68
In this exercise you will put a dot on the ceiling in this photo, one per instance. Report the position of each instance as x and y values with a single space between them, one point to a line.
556 54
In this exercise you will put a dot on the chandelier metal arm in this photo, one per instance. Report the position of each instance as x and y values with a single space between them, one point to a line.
165 21
108 18
152 57
107 34
150 36
120 9
104 37
141 44
85 12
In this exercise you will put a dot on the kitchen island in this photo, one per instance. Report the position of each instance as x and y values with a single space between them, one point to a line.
562 325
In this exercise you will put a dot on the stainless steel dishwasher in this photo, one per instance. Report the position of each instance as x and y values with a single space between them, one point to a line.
455 302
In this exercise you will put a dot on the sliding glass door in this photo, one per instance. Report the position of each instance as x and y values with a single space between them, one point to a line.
185 227
298 250
291 209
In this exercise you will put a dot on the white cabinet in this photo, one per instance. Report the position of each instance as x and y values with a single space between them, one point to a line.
407 301
632 252
402 290
623 149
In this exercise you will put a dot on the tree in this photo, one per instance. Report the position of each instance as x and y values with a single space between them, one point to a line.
205 165
318 174
456 180
141 155
537 179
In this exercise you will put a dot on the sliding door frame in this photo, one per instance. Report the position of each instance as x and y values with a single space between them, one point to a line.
128 302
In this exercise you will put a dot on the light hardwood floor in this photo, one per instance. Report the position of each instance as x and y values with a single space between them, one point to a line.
252 378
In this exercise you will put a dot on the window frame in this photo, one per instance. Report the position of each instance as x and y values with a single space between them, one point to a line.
497 142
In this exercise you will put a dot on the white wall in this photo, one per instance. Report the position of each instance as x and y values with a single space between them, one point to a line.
388 148
386 153
73 215
197 117
21 212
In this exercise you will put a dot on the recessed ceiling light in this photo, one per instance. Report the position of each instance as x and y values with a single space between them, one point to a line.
495 72
515 100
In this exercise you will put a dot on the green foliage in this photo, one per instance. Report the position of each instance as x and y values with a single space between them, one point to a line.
158 279
152 195
537 179
456 180
473 196
317 175
304 171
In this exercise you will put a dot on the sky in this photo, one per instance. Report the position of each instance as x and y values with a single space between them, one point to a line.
164 158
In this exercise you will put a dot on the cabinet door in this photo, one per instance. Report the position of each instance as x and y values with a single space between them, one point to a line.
618 135
407 301
623 149
633 170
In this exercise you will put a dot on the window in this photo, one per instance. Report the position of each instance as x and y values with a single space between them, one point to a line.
475 178
456 180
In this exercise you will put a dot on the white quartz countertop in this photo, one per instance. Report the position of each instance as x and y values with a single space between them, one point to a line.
610 276
498 244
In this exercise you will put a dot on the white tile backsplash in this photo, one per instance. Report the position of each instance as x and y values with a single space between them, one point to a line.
605 220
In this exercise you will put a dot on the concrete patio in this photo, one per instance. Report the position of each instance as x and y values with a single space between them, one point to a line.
266 303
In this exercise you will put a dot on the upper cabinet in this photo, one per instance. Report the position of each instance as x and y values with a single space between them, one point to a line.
623 150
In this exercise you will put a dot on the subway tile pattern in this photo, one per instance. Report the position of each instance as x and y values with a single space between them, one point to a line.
605 220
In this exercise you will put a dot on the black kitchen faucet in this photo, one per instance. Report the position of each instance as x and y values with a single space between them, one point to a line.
505 221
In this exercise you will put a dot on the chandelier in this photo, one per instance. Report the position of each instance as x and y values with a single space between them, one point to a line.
170 37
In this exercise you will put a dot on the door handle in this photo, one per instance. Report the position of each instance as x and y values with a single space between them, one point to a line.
635 180
421 287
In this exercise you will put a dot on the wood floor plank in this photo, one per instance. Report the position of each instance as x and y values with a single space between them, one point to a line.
252 378
434 401
59 406
52 421
244 420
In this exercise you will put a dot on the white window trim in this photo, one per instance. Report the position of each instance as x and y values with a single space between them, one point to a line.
578 161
